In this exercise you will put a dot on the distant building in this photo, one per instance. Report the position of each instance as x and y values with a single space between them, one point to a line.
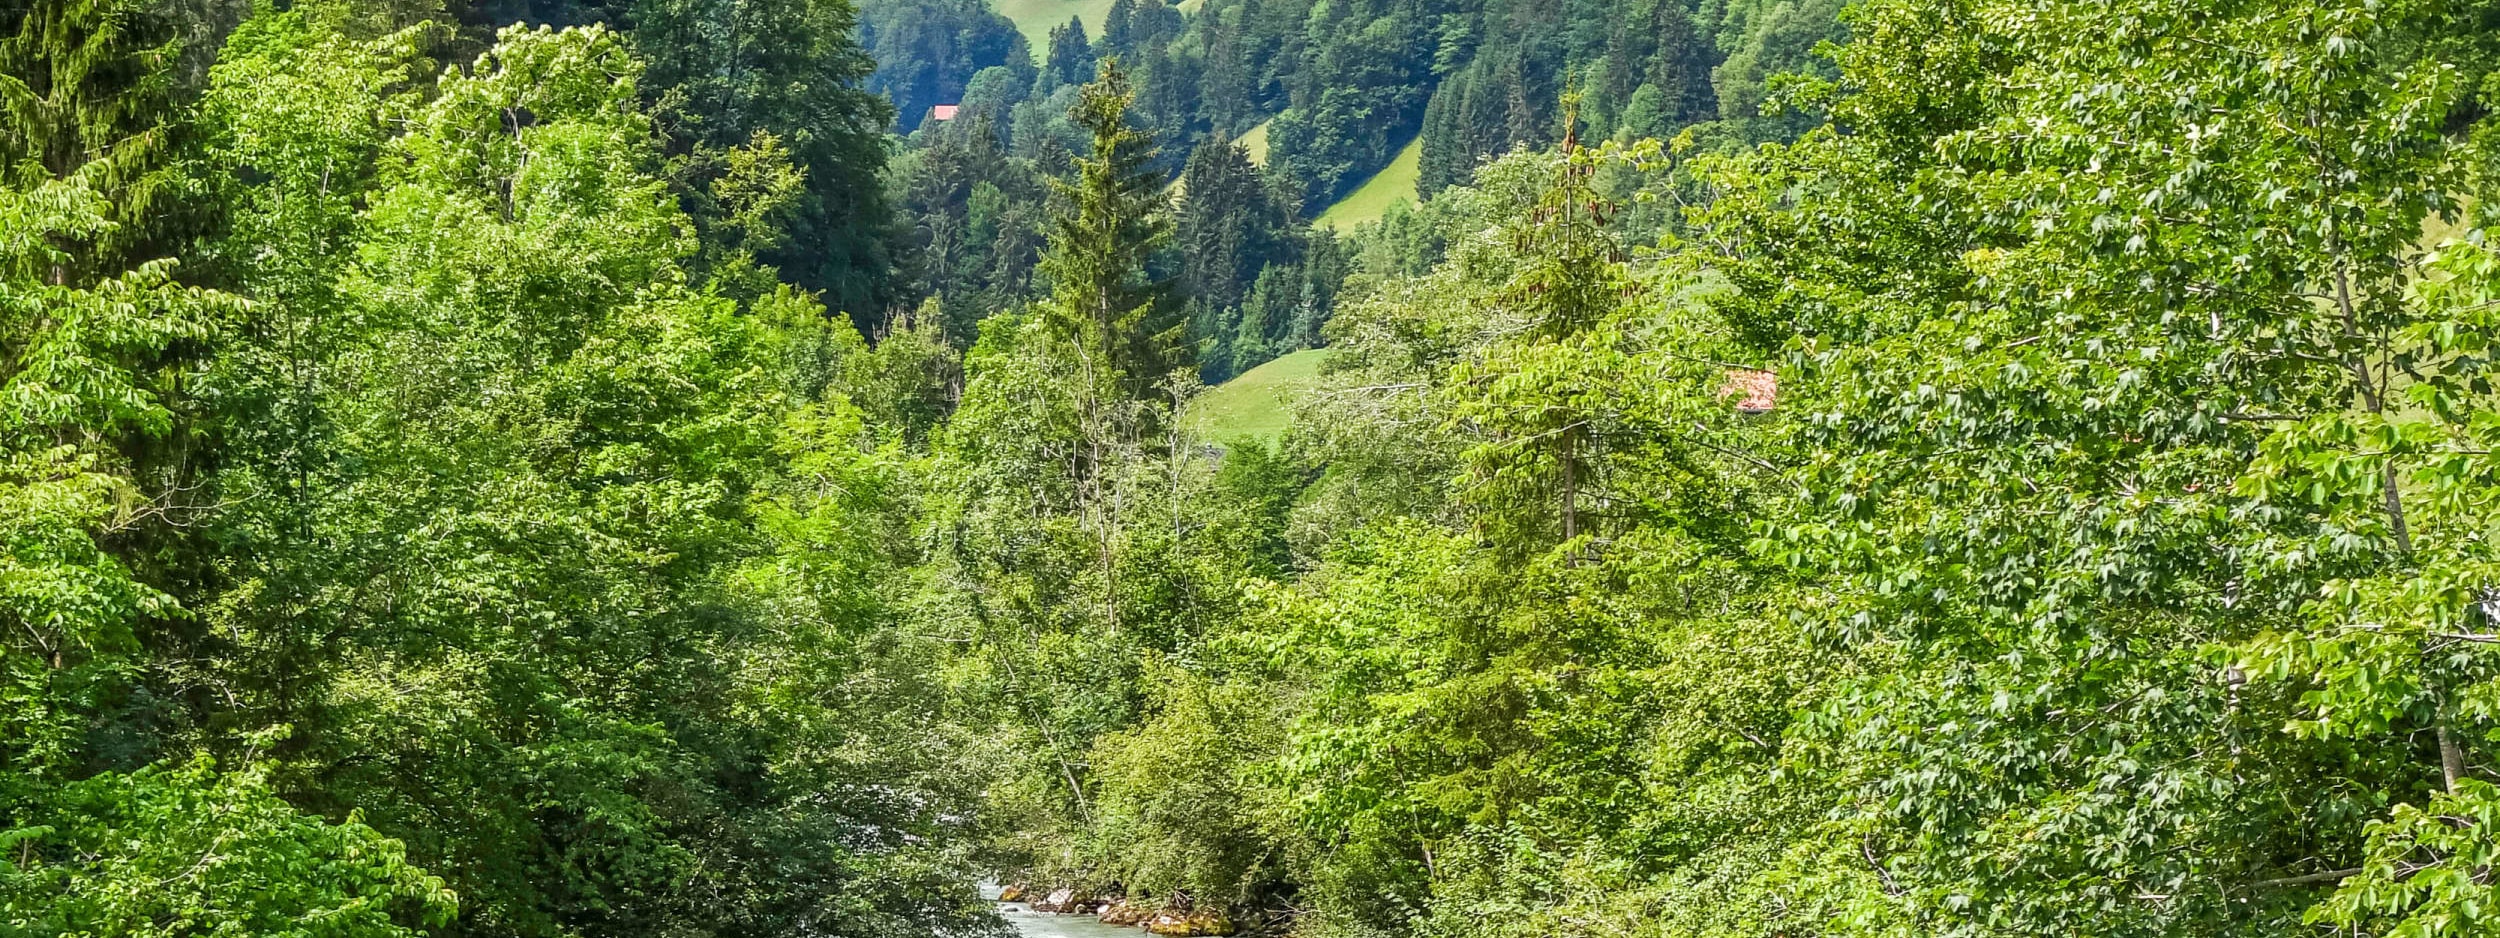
1756 392
944 112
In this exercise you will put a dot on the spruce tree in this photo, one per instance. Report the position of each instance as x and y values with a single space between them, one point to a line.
1440 160
86 89
1211 328
1220 207
1571 280
1226 84
1167 104
1271 303
1154 24
1680 68
1116 37
1523 122
1484 111
1114 216
1071 56
1325 263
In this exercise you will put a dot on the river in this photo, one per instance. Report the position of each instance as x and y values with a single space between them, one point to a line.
1033 924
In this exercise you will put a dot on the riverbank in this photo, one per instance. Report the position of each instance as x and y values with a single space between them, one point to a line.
1034 922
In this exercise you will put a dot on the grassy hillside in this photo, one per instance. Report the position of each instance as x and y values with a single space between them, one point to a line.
1259 403
1393 184
1256 142
1034 18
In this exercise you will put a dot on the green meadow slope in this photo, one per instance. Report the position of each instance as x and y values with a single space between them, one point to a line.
1394 183
1034 18
1258 404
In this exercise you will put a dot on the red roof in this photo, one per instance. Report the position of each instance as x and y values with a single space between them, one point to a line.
1759 390
943 112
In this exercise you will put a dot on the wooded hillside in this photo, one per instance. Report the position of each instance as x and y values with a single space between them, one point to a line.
570 468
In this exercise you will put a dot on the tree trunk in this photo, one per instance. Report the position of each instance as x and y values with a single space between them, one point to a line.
2451 758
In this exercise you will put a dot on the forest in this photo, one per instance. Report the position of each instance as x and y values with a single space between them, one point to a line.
1779 468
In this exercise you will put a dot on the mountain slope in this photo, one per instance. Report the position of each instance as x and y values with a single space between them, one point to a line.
1390 186
1034 18
1259 403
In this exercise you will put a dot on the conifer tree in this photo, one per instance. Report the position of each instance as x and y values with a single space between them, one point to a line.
1523 121
1534 466
85 88
1211 327
1229 223
1679 67
1114 216
1484 111
1155 24
1226 84
1071 56
1271 302
1441 158
1323 271
1167 105
1116 38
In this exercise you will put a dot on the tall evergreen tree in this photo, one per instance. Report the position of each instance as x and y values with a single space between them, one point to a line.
1444 159
1484 117
1523 116
1116 37
1227 85
1533 470
1679 67
1071 57
1229 224
1115 215
1154 23
1272 300
1167 101
1324 267
86 89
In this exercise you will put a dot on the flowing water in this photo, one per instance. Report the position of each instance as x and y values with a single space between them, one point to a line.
1033 924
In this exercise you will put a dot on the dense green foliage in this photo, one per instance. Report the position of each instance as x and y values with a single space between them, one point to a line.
732 76
440 492
2116 559
929 52
437 547
1341 88
737 86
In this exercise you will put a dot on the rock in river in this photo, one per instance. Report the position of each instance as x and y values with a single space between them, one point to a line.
1188 923
1062 899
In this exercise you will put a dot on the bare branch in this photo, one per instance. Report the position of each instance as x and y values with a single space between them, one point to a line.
2308 879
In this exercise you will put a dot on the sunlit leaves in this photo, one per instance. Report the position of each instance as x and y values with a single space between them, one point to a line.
185 849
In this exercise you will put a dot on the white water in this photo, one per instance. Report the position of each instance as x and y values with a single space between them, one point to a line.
1033 924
